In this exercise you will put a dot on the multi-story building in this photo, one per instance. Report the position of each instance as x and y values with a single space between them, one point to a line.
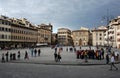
81 37
49 26
5 32
64 37
114 32
44 34
98 36
23 34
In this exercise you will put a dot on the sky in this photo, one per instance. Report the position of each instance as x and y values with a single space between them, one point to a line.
71 14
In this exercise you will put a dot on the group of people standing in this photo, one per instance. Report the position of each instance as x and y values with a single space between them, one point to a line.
10 56
35 52
91 54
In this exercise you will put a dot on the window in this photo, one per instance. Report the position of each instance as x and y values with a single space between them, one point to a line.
5 36
100 38
9 37
2 22
2 29
2 36
6 29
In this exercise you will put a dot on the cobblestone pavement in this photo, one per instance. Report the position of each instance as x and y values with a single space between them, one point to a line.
20 70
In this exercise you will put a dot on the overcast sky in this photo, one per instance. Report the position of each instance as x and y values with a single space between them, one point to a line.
62 13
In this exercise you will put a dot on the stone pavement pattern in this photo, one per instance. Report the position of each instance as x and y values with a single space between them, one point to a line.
47 57
20 70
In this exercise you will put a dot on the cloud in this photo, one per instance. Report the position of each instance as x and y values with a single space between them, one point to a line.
69 13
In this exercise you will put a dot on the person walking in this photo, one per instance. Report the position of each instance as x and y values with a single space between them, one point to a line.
39 51
35 52
26 55
59 55
3 59
102 53
7 54
112 62
55 56
107 58
18 56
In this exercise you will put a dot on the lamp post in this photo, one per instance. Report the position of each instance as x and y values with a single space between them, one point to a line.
107 18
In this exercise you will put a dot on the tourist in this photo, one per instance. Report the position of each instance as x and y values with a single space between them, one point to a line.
77 54
112 62
18 55
7 54
59 55
39 51
26 55
102 53
107 58
35 52
3 59
55 56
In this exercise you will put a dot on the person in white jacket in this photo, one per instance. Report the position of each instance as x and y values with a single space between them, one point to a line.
112 62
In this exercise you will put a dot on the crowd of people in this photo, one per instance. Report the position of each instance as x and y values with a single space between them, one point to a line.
91 54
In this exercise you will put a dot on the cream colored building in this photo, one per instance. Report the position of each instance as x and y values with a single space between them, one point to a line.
22 34
81 37
64 37
44 34
114 32
98 36
17 33
5 32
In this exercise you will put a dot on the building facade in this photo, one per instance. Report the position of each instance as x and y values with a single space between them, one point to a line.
45 34
64 37
98 36
81 37
22 34
17 33
114 32
5 32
